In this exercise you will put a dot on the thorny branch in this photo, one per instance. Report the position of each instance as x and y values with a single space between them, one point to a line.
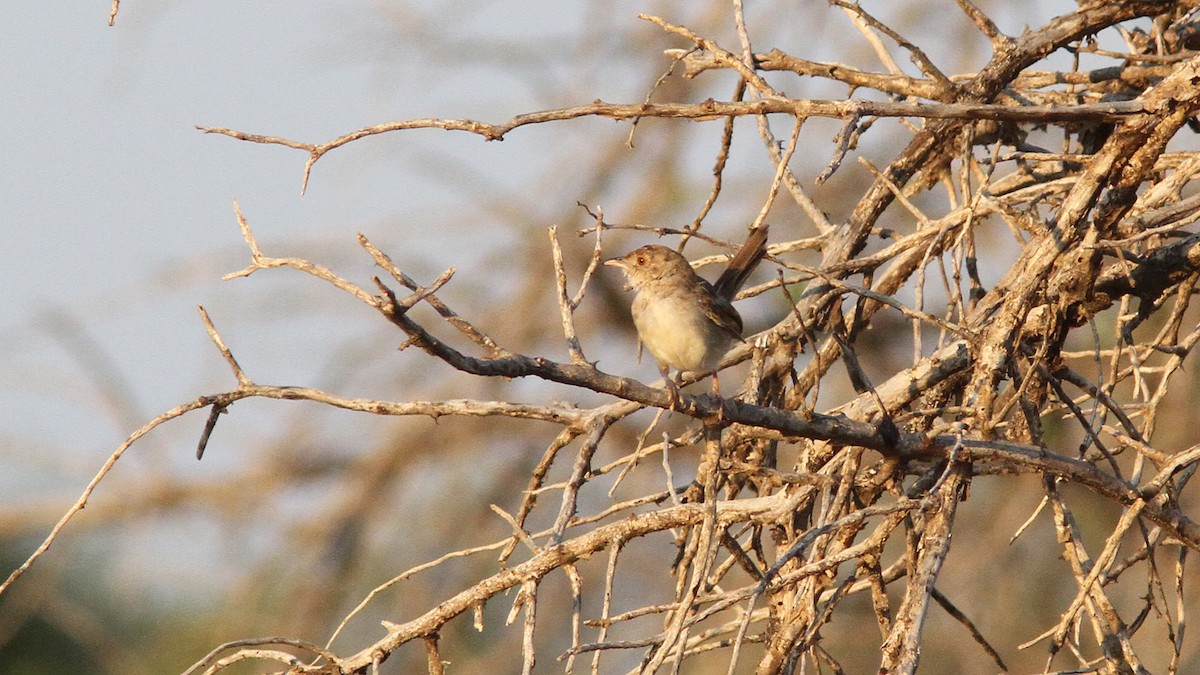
710 110
793 510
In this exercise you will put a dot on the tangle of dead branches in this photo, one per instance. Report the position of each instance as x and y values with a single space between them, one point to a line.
1061 370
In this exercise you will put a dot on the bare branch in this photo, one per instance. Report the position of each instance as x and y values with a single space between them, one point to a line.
709 110
565 305
1013 268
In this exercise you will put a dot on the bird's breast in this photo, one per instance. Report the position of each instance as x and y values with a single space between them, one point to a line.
679 334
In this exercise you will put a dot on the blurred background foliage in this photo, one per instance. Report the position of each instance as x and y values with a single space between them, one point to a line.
299 510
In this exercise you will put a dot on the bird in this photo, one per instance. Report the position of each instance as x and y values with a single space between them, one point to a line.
684 321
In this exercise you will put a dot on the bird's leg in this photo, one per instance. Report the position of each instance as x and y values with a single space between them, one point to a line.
716 387
673 399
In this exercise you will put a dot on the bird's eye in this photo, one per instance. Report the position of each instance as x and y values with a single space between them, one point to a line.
641 260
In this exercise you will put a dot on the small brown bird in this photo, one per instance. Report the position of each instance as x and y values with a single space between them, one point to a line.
686 322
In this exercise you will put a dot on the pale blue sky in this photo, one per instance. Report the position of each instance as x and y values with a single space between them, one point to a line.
116 218
115 214
116 221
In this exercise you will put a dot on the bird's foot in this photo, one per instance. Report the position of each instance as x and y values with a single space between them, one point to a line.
718 417
674 400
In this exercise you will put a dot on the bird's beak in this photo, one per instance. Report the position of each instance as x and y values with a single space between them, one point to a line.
623 265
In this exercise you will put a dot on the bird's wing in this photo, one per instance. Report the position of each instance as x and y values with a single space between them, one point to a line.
721 312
